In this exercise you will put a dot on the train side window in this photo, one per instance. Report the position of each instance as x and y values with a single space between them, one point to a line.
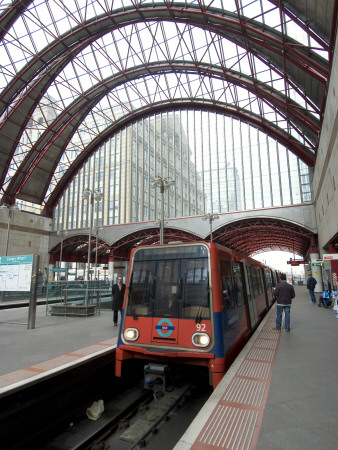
268 283
227 291
238 285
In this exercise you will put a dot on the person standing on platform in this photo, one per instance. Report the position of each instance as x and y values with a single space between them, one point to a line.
311 284
284 293
118 295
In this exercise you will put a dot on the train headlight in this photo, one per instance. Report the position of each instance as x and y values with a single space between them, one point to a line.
131 334
200 339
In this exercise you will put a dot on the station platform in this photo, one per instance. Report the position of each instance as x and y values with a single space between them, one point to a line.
279 393
55 344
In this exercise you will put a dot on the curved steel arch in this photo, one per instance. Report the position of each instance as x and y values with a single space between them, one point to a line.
14 123
248 236
265 41
252 236
75 248
65 124
58 57
303 65
11 14
297 11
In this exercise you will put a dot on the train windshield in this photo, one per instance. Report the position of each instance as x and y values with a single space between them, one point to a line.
170 282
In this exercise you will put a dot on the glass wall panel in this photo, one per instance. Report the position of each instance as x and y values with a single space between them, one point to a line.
219 164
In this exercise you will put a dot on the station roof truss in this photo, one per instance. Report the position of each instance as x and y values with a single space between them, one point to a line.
92 68
75 248
253 236
264 62
249 237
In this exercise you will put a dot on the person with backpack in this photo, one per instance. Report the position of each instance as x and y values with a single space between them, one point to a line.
311 284
284 293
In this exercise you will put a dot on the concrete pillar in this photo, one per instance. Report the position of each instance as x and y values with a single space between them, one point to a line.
316 272
51 275
110 273
334 267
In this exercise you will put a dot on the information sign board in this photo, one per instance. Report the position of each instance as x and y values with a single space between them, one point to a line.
330 256
16 273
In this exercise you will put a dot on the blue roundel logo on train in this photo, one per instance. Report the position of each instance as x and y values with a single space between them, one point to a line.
165 327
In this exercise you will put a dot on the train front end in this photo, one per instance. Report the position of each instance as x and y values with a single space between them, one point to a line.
168 309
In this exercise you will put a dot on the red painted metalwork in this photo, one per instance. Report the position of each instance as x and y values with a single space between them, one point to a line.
250 236
245 32
68 117
11 14
253 236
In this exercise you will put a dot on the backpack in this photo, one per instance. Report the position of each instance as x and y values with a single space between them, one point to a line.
312 284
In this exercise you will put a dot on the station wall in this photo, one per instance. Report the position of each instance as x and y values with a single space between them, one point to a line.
325 177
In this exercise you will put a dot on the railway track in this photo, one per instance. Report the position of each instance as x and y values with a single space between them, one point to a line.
51 415
129 422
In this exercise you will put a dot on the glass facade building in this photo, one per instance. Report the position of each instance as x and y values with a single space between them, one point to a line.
219 164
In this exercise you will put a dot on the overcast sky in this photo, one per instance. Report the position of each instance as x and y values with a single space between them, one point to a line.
278 260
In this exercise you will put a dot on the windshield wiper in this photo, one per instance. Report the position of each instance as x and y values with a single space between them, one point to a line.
180 289
131 304
153 288
200 309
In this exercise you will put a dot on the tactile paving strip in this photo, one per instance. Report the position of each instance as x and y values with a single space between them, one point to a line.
235 421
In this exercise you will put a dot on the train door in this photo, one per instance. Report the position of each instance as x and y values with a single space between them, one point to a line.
235 317
268 285
240 291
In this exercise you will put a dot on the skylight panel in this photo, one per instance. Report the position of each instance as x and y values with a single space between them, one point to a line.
279 85
294 31
251 8
5 4
6 68
272 19
316 48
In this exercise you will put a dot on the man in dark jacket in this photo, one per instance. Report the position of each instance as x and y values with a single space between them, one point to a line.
284 293
311 284
118 295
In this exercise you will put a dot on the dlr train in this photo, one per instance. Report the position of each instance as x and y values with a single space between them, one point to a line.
195 303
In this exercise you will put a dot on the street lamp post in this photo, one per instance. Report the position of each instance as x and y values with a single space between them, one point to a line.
97 228
90 196
63 234
163 184
211 218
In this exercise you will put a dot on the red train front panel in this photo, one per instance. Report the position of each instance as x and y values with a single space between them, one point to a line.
168 306
186 304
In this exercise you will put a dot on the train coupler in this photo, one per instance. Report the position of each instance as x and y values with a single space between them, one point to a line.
155 377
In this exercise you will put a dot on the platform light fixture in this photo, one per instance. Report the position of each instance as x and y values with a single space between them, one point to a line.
62 234
210 218
163 184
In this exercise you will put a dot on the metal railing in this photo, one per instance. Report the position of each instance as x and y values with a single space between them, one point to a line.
77 298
